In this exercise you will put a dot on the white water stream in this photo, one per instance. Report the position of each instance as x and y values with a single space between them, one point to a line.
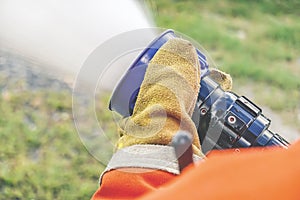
62 34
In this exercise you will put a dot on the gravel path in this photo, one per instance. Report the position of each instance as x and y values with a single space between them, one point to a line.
20 74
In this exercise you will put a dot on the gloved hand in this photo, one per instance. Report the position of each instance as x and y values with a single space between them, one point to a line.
164 106
166 99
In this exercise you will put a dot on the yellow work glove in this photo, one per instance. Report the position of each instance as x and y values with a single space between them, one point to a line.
166 99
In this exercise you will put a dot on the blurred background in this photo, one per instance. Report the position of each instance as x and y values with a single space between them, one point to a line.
43 45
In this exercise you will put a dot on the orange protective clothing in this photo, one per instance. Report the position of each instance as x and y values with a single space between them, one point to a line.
253 173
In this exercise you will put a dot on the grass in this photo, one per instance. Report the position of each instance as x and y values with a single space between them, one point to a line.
257 42
42 156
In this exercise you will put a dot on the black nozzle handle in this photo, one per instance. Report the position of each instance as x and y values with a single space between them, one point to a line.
182 143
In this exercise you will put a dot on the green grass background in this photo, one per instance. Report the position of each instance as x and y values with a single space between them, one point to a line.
257 42
41 154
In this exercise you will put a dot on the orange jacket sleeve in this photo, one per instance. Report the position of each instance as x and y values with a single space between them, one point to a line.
251 174
131 183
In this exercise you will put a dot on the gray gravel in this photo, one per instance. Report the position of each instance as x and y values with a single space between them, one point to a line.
18 73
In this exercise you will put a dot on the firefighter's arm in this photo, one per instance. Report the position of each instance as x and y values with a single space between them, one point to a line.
166 100
164 105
